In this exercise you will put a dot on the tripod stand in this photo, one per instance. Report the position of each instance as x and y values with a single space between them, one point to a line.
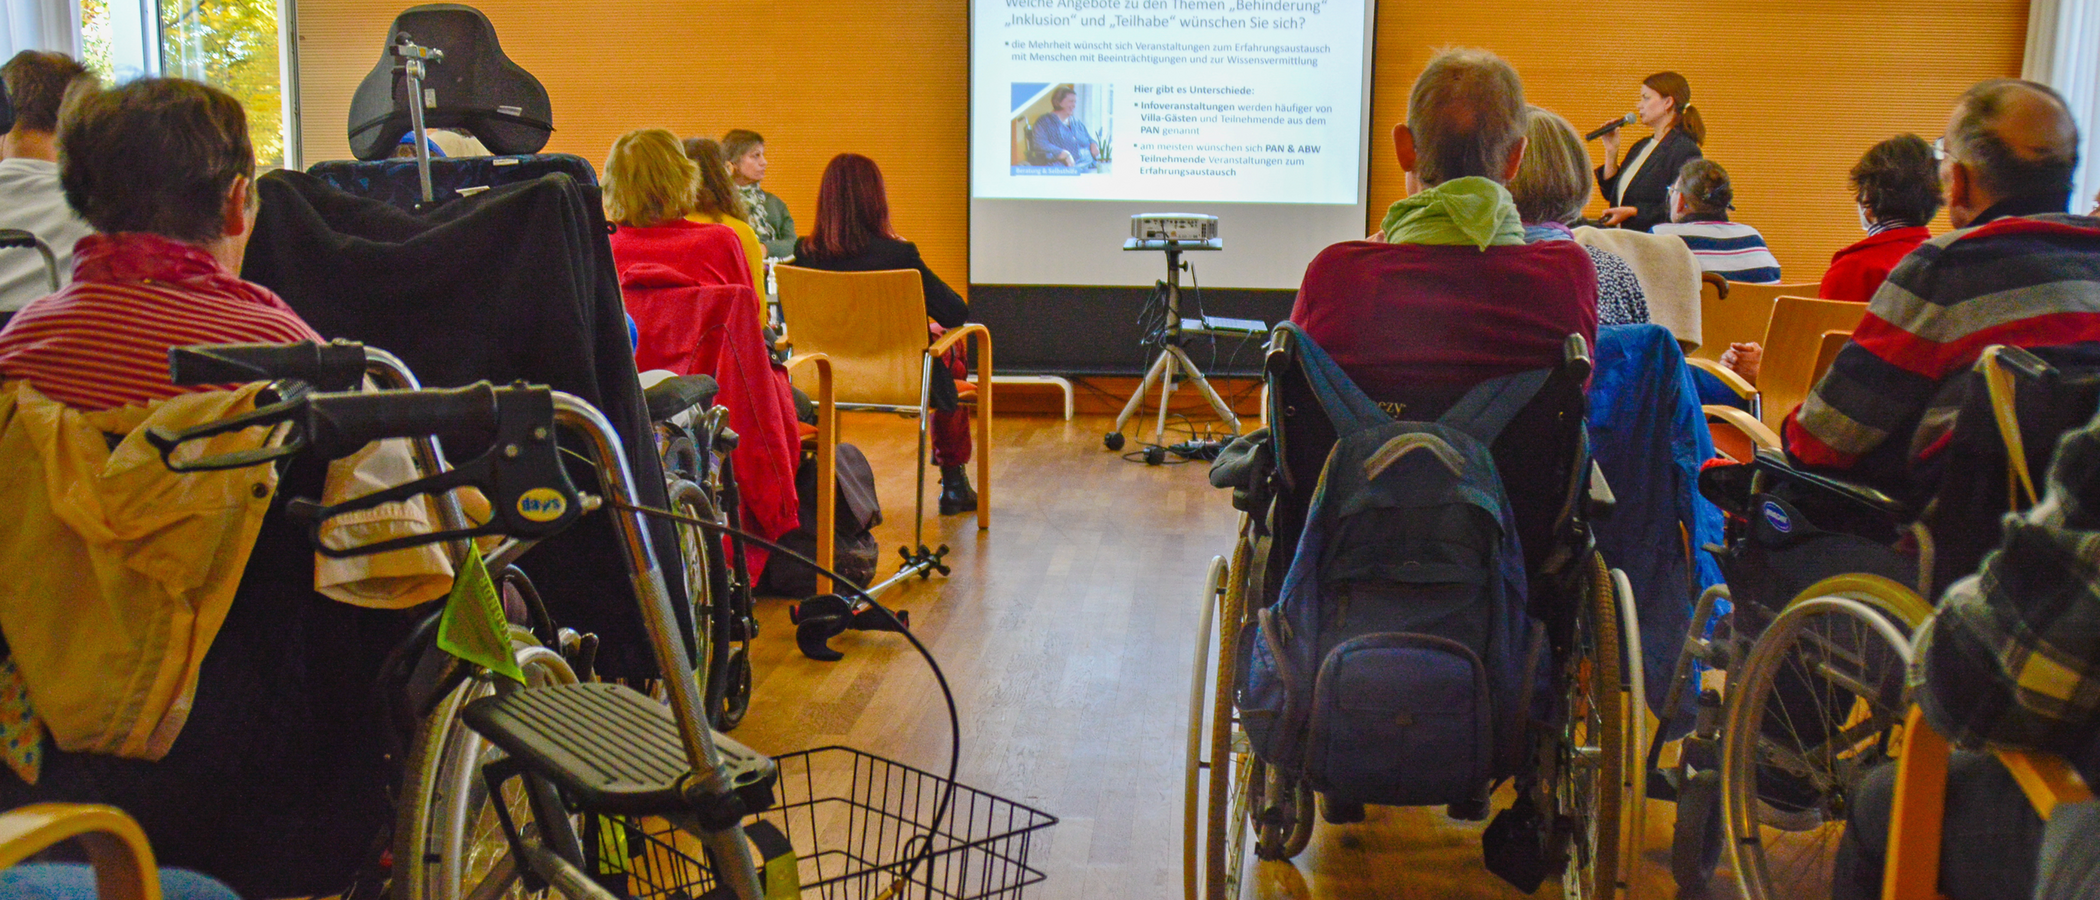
1174 362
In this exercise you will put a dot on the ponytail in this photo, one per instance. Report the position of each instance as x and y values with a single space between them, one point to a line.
1693 125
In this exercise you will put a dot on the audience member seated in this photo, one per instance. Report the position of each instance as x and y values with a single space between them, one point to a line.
1059 138
1897 186
1449 294
717 201
649 189
1549 189
30 199
853 234
746 152
2017 270
237 719
1699 203
2033 608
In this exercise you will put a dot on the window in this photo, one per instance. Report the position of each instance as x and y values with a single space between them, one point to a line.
235 45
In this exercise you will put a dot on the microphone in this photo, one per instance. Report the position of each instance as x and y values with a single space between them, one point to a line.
1611 126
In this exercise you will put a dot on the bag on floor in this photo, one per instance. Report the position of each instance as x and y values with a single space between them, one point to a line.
1392 668
858 512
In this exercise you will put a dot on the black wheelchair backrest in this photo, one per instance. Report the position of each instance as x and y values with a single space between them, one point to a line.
476 87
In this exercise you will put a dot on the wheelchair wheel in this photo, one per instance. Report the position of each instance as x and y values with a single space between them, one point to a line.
1590 787
1817 702
1218 804
447 839
696 550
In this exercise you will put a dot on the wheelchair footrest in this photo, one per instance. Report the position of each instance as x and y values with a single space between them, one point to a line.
610 748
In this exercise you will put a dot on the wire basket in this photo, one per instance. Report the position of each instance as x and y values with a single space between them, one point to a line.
859 827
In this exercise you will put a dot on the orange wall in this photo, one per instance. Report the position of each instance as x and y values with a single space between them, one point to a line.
1792 91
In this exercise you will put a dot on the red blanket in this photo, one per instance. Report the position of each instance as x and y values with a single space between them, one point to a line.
693 328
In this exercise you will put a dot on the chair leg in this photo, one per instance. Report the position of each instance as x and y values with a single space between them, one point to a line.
918 521
984 429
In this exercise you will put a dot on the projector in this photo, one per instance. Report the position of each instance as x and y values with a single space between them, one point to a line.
1173 227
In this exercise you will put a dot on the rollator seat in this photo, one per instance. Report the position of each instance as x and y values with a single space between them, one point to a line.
610 748
679 393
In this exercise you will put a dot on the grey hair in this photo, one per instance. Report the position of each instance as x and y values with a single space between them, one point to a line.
1466 111
1553 181
2000 168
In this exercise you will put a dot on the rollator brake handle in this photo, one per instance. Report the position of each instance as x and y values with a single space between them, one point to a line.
519 469
167 441
334 366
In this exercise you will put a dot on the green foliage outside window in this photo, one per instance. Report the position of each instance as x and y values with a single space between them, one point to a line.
230 44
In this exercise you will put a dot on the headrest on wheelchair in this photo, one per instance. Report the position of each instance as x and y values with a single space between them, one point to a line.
477 87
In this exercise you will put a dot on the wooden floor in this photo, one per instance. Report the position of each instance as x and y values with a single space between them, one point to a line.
1067 631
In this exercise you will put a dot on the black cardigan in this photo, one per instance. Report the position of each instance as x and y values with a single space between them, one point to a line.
1648 194
943 304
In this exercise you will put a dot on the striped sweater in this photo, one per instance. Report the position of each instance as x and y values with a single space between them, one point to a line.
2028 281
103 341
1733 250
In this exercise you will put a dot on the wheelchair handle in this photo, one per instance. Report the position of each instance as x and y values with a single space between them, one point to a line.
334 366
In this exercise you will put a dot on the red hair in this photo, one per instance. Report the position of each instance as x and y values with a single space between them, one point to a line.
852 208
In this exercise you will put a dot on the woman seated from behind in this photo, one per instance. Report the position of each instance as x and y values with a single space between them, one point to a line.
717 201
1897 187
1551 184
853 234
649 188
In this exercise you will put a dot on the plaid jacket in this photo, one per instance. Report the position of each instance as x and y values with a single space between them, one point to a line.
2012 656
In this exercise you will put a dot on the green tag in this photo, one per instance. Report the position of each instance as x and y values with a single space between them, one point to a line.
473 627
782 875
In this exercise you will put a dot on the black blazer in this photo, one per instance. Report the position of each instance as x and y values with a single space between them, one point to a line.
943 304
1649 192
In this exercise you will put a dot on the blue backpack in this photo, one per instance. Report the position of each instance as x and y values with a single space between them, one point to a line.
1399 664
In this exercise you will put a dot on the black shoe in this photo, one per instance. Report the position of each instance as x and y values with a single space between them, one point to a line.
956 494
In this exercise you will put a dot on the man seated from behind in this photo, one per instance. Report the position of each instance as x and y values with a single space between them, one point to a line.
1699 203
2017 270
1448 295
30 198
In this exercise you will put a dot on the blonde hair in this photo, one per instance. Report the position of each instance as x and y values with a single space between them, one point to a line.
1553 179
648 179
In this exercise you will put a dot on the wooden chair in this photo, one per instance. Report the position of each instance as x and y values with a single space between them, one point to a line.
1912 871
1733 312
872 327
116 847
1793 341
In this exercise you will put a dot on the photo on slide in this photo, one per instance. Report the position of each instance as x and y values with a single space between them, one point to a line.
1062 128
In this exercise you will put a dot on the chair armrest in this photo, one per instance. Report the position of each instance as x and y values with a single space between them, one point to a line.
1759 434
1727 376
948 339
1773 462
1720 284
116 847
2047 779
827 465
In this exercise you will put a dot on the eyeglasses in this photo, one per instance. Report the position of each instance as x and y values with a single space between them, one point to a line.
1939 149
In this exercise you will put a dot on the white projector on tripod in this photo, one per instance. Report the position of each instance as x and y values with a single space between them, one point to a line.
1179 227
1174 233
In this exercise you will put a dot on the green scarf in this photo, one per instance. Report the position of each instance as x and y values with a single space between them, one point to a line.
1470 210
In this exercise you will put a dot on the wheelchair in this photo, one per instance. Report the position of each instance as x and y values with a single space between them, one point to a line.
694 441
1800 683
1575 807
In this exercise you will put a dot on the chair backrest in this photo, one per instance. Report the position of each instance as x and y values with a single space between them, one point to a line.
1827 353
1669 276
1792 342
871 324
1741 316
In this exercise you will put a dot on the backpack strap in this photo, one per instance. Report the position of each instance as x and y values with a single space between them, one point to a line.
1345 405
1491 405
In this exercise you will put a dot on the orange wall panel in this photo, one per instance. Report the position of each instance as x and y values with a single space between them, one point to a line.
1792 91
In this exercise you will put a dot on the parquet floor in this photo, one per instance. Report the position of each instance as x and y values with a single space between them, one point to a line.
1067 631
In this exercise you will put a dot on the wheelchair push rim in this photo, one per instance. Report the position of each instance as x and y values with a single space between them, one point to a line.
1788 767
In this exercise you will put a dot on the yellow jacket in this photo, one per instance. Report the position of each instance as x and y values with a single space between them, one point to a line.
116 585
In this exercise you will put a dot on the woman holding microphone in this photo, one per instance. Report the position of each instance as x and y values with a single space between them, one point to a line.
1636 185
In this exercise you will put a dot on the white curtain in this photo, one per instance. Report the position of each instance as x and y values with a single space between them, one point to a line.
41 25
2063 52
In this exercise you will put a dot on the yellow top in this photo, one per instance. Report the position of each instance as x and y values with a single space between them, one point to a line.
754 252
